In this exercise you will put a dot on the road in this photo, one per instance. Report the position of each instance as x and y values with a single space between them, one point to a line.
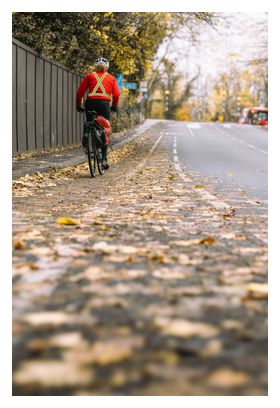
235 155
150 280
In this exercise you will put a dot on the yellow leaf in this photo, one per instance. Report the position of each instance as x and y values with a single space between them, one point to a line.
199 186
230 174
67 221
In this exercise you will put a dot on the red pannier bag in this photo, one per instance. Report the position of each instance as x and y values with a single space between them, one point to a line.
106 126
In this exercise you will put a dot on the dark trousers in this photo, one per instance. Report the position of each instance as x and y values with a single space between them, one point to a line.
101 107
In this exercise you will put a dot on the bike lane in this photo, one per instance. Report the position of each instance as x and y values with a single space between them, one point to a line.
151 291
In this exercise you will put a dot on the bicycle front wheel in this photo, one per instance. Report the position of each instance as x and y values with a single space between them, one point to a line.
92 159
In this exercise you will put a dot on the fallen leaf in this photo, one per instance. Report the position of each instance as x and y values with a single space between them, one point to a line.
104 247
19 245
186 328
40 318
66 340
67 221
240 238
228 235
188 291
199 186
106 352
226 377
112 351
212 348
41 251
96 222
167 273
136 273
170 358
257 290
52 373
33 266
119 378
207 241
227 216
231 324
37 345
230 174
95 273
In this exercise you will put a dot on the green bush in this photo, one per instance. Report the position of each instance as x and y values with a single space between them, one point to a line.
124 121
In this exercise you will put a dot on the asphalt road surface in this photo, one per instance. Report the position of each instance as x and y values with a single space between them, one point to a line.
235 155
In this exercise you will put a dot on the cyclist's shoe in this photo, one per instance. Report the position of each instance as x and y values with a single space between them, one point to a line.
105 164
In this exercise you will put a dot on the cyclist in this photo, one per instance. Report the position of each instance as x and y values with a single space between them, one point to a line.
102 89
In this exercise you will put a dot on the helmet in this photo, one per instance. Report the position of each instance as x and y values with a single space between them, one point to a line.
102 61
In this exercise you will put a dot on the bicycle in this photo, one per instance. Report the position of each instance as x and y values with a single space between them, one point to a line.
94 143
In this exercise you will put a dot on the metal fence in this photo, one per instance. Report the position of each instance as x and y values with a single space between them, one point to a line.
44 102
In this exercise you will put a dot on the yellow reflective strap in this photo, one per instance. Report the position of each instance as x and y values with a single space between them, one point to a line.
99 85
99 82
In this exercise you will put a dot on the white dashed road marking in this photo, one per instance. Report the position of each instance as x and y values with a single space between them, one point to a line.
238 140
191 132
205 195
193 125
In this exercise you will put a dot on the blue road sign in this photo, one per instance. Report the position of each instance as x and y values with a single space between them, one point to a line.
131 85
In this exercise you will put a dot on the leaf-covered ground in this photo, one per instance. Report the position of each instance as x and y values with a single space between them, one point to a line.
133 284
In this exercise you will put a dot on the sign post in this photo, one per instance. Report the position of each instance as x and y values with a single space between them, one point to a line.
143 86
119 78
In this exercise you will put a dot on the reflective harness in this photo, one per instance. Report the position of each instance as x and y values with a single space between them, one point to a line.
99 85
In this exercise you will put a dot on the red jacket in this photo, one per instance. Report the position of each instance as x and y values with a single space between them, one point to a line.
104 88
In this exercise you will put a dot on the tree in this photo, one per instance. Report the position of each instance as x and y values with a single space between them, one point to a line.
174 90
235 90
129 40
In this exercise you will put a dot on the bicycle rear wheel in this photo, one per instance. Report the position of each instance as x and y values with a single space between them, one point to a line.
99 161
92 159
